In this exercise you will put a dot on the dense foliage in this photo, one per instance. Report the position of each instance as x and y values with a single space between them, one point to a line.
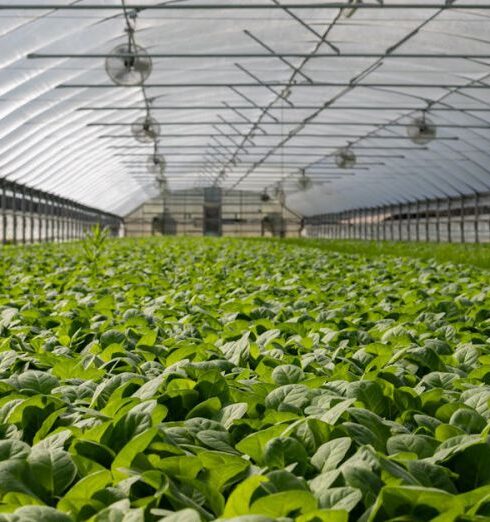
187 380
477 254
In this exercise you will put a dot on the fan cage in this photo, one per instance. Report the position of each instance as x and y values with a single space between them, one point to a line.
128 65
304 182
421 130
145 129
345 159
156 164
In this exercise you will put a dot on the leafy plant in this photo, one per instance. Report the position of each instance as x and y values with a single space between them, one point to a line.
203 379
93 244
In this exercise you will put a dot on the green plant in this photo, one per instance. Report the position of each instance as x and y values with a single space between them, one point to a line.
93 244
211 379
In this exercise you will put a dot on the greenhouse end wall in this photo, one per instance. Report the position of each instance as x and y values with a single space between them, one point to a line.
243 214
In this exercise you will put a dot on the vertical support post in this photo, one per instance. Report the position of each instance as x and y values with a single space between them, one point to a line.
77 222
449 229
477 218
385 211
409 222
462 220
58 221
366 213
371 224
48 218
53 219
427 222
400 224
392 222
23 214
417 221
43 206
70 221
62 219
31 216
65 221
14 215
4 212
39 218
438 220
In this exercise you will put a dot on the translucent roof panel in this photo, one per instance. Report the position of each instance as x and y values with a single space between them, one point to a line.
256 95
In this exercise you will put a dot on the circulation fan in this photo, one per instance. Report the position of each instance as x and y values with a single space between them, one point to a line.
264 197
345 158
421 130
128 64
304 182
145 129
156 164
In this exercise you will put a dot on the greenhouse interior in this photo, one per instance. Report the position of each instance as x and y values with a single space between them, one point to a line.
244 260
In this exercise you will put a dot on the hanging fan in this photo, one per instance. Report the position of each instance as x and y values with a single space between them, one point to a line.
421 130
264 197
145 129
304 182
345 158
156 164
128 64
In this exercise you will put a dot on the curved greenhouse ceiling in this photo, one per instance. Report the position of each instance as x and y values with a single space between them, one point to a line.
251 95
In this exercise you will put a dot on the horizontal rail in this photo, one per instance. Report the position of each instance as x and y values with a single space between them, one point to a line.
235 6
275 84
49 56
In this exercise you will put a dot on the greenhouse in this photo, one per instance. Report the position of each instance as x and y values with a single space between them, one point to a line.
244 261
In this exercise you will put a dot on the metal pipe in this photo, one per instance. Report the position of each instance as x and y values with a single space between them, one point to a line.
239 56
245 6
275 84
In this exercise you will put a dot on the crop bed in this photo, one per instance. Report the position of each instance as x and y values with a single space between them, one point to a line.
188 380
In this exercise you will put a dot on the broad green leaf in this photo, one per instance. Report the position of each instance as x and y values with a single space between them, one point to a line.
422 445
254 444
53 468
287 374
282 451
283 504
83 490
35 381
340 498
222 468
330 455
238 502
129 451
413 500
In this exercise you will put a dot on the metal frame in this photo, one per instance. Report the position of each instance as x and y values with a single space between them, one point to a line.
225 164
42 216
438 217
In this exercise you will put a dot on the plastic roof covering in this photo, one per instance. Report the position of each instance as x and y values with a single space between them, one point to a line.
46 142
